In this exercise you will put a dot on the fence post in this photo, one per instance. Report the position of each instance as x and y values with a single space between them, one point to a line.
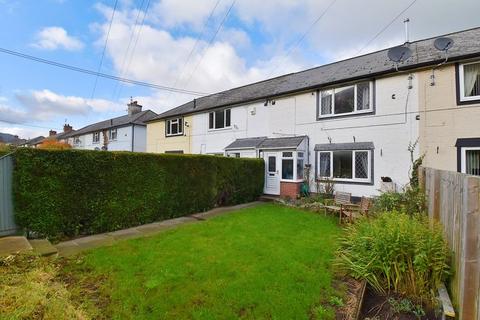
436 195
470 282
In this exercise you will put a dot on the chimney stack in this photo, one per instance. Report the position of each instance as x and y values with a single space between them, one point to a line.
133 108
52 133
67 128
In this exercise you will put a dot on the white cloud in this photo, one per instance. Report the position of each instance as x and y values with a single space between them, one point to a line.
52 38
23 132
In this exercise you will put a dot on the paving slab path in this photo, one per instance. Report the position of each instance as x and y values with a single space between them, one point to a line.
72 247
11 245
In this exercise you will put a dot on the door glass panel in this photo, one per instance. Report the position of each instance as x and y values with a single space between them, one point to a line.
272 164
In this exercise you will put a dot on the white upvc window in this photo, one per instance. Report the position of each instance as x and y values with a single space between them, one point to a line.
345 165
292 165
345 100
112 134
471 160
220 119
469 81
174 127
96 137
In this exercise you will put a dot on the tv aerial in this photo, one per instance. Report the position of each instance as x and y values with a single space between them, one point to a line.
441 44
399 54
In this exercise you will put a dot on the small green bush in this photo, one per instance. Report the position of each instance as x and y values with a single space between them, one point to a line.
396 252
64 193
412 201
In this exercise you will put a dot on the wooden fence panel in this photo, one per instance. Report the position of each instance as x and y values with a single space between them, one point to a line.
453 199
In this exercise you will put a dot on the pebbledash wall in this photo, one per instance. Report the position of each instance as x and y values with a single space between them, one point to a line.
391 128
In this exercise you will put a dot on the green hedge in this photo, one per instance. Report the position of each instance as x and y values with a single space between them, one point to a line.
66 193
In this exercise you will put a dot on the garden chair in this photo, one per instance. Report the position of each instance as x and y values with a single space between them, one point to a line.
353 211
340 200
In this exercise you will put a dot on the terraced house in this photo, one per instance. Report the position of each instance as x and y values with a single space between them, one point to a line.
351 121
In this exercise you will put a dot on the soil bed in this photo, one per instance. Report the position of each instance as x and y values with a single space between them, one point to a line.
378 307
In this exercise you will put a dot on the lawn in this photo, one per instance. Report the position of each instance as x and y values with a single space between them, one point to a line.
265 262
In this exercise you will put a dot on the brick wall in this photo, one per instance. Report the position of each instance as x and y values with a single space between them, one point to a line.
290 189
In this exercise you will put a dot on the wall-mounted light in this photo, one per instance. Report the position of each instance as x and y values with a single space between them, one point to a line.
393 96
381 152
266 103
273 102
417 117
187 124
354 139
438 149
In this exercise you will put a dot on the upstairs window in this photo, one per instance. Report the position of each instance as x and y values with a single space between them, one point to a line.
219 119
96 137
112 134
174 127
350 99
469 81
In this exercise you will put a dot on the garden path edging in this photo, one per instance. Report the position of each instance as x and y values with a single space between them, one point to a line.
72 247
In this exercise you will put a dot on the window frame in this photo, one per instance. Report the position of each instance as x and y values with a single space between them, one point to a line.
95 141
294 157
461 98
370 110
367 180
213 118
463 157
170 122
110 134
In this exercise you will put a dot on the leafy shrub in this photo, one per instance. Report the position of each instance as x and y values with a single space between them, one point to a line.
64 193
412 201
396 252
50 144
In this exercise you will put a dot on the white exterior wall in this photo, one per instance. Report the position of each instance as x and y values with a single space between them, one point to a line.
389 129
122 143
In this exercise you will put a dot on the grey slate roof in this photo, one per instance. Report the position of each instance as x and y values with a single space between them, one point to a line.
466 45
137 119
266 143
34 141
345 146
245 143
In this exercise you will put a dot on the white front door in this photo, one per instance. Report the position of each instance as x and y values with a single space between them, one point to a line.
272 176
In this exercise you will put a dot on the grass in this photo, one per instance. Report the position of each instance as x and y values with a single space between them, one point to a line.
265 262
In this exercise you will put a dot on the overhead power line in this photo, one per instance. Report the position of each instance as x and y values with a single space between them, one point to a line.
386 27
302 37
196 43
136 42
211 41
100 74
104 49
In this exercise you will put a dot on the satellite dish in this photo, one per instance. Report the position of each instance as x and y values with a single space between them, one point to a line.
399 54
443 44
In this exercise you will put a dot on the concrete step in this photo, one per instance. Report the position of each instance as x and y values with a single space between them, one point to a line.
11 245
43 247
268 198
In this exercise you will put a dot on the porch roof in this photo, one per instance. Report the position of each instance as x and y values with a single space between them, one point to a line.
266 143
344 146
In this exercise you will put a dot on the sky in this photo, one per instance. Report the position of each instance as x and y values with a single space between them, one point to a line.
202 46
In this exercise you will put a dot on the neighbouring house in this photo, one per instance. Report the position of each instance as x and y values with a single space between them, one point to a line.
32 143
450 114
351 121
65 136
125 133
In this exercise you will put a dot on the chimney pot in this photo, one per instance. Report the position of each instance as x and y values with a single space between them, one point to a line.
52 133
67 128
133 108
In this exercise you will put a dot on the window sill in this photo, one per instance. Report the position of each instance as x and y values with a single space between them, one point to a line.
220 129
345 115
174 135
291 181
469 100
